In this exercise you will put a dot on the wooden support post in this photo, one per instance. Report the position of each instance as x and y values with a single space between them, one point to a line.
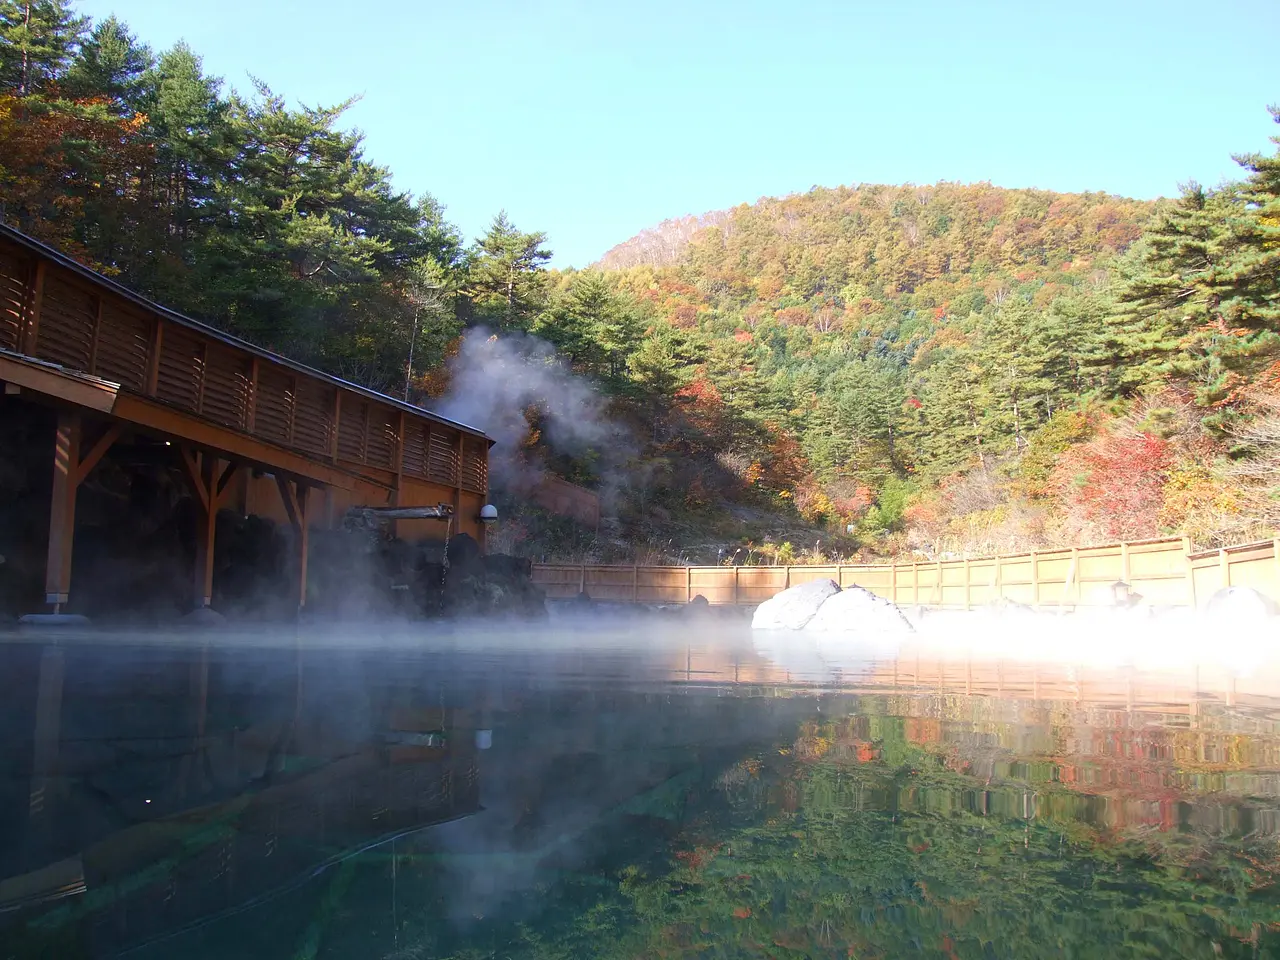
1224 567
915 583
62 512
786 579
688 583
35 299
939 597
893 582
1124 563
736 590
582 580
295 505
968 587
999 582
635 583
206 531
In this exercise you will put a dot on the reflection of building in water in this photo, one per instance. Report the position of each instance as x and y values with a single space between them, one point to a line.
177 786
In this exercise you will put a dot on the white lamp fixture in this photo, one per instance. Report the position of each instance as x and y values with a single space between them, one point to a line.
488 513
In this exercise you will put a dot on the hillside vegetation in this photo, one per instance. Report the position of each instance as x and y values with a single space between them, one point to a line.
871 369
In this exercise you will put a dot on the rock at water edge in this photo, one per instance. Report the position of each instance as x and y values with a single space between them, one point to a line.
794 607
858 610
1240 603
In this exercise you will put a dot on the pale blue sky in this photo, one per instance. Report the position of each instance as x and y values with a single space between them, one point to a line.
591 121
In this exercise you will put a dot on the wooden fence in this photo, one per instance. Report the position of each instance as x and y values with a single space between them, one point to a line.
1163 571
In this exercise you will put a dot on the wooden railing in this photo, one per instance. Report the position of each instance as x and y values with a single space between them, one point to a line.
1163 571
56 310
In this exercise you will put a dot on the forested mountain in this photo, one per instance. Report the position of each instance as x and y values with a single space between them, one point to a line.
879 368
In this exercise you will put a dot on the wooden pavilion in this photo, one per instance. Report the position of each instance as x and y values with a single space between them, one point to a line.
253 431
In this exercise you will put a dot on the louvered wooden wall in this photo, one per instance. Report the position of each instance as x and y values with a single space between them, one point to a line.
55 314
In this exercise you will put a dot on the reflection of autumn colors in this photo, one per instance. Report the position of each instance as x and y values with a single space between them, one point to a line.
1038 814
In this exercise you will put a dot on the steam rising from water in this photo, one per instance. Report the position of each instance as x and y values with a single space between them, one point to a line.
495 379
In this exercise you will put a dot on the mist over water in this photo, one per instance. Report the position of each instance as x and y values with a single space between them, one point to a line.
596 786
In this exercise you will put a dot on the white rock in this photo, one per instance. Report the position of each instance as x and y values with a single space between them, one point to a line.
857 610
1240 603
794 607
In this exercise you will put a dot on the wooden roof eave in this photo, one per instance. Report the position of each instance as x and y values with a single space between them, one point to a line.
93 277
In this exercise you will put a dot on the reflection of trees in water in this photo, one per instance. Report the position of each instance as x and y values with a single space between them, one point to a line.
880 835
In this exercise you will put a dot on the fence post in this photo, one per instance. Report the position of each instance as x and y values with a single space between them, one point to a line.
635 583
999 580
915 583
1035 580
840 575
1224 565
968 593
1191 571
893 582
735 586
582 580
688 584
786 578
1275 555
938 596
1124 563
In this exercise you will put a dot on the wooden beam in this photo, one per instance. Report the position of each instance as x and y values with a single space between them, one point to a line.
62 514
53 382
97 330
293 406
251 398
232 444
204 370
227 475
291 505
364 435
337 422
195 480
96 452
35 299
153 357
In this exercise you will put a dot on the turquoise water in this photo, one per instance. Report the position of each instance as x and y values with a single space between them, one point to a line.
641 793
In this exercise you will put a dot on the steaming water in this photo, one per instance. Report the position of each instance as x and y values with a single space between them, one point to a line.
631 791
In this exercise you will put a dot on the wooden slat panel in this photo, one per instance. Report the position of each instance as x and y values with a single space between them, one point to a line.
226 386
123 342
474 466
181 368
273 411
66 323
14 271
381 448
313 417
415 449
442 456
351 435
